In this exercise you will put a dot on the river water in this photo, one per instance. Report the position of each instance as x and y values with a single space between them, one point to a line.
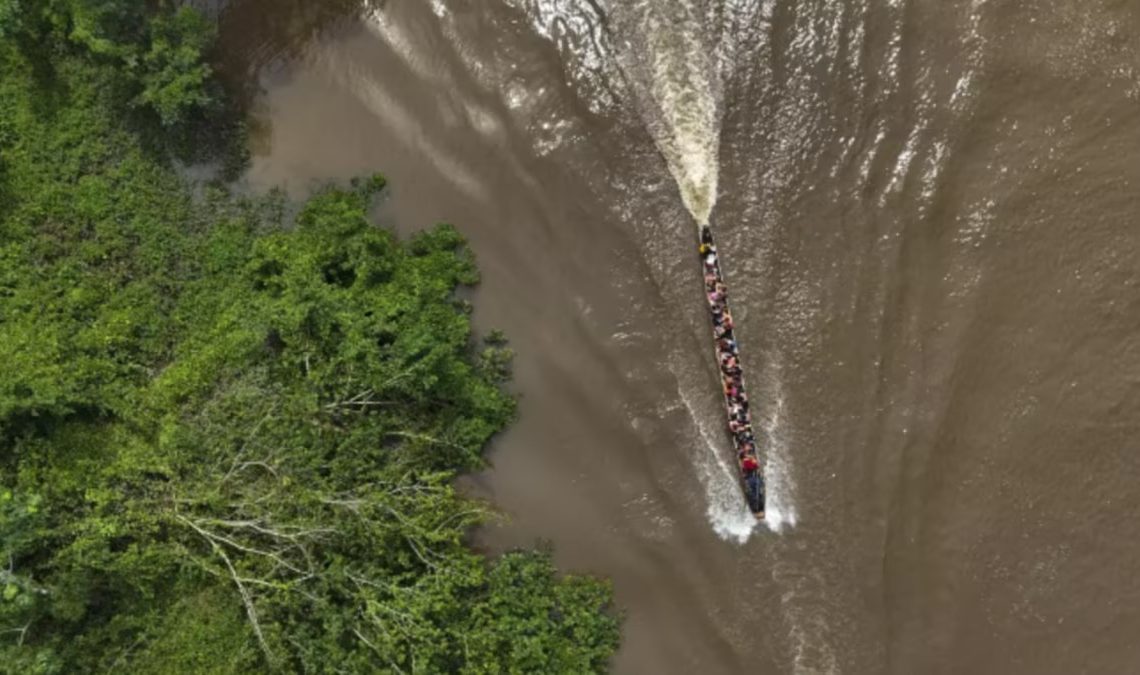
927 216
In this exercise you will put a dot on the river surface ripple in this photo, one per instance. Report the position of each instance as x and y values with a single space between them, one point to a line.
927 214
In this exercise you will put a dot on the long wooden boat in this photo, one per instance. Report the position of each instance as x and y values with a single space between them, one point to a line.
732 376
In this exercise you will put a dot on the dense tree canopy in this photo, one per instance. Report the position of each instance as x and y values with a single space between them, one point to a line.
228 427
154 60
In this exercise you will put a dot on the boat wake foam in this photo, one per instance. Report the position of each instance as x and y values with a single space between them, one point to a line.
677 86
780 510
726 510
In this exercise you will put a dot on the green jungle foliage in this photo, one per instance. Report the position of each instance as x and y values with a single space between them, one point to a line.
227 441
157 58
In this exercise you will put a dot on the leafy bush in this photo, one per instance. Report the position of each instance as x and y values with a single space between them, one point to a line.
155 56
174 78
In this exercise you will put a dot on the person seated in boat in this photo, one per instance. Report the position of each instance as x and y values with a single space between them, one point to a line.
711 281
710 259
721 288
731 390
754 486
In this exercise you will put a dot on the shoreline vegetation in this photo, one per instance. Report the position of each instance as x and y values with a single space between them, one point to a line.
228 436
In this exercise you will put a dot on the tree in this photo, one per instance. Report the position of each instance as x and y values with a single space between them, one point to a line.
11 15
174 76
157 55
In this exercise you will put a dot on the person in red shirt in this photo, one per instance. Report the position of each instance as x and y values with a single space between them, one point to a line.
752 483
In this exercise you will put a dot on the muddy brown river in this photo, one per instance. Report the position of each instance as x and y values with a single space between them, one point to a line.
928 217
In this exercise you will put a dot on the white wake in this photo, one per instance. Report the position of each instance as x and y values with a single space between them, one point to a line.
672 68
675 77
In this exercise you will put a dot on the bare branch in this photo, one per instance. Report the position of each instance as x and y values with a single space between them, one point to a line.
276 534
125 653
425 437
215 538
420 555
238 468
364 399
247 600
460 514
377 650
246 597
397 377
234 466
23 631
350 504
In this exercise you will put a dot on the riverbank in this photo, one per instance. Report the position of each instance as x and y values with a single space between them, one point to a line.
229 435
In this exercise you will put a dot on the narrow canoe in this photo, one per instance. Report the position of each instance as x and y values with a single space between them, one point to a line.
736 403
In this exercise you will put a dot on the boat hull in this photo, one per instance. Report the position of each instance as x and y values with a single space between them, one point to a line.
727 351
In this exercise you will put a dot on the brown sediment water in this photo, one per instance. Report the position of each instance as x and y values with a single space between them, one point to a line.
928 214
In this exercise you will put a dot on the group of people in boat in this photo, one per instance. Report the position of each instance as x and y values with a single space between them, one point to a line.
728 357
